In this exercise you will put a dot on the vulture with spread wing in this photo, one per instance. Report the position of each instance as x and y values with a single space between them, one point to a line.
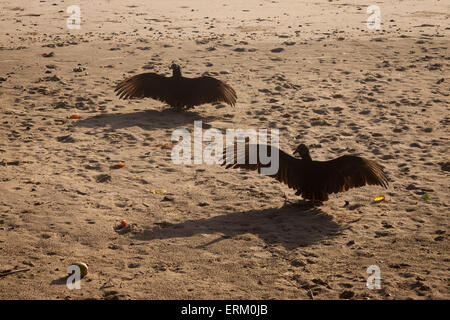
313 180
177 91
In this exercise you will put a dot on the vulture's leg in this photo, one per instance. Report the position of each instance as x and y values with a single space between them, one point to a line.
177 107
286 200
317 203
302 203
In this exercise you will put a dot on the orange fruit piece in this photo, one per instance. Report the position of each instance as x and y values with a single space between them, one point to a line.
74 116
119 165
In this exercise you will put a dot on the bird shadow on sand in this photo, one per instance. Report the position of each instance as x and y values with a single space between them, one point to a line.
290 226
147 119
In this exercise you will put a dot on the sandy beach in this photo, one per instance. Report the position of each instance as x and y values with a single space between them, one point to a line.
312 70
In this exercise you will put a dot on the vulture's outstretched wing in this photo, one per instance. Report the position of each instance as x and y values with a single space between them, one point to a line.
207 90
314 180
339 175
145 85
290 169
351 172
176 91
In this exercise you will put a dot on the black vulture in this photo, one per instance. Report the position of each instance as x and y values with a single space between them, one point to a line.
313 180
177 91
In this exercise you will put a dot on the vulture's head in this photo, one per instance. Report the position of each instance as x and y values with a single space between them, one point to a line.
175 68
303 151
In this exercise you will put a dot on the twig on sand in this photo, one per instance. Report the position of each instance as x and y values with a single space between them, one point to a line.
8 272
311 293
